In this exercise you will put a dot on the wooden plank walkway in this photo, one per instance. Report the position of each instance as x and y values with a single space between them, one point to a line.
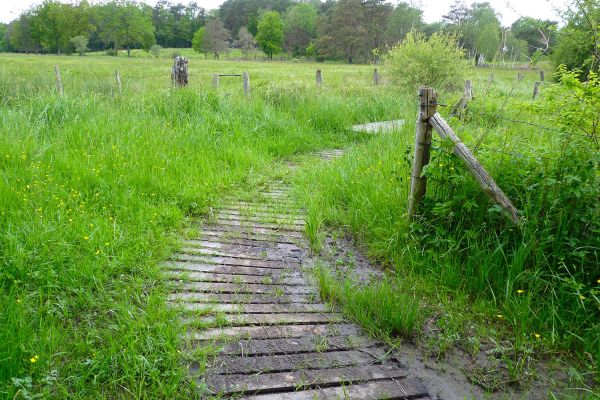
241 287
379 127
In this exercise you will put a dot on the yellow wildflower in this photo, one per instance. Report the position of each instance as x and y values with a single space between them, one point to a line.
500 316
34 358
581 297
537 335
520 291
85 238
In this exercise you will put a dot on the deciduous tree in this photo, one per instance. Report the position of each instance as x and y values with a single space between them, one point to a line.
270 33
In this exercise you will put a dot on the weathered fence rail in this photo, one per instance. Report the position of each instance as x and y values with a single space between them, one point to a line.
428 119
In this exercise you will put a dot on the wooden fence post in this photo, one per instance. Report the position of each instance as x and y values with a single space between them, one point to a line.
319 78
468 91
542 76
246 79
491 78
215 80
418 183
375 77
119 87
520 76
59 85
180 71
536 90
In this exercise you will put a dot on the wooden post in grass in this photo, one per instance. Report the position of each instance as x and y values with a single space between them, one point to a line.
246 79
536 90
542 76
468 91
487 183
215 80
491 78
319 78
375 77
520 76
118 78
180 71
59 85
418 183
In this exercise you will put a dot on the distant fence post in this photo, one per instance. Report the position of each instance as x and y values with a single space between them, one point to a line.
375 77
491 78
536 90
180 71
468 91
418 183
467 96
319 78
215 80
246 79
59 85
542 76
119 87
520 76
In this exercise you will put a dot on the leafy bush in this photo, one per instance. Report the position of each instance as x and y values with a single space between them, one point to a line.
436 61
155 50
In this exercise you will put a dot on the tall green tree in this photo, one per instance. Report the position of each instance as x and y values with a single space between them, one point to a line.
270 33
347 29
540 35
215 38
578 44
300 28
199 44
124 23
402 20
4 46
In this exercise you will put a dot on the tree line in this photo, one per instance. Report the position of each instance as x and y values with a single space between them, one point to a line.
351 30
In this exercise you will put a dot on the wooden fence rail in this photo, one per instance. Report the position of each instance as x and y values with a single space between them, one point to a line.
428 119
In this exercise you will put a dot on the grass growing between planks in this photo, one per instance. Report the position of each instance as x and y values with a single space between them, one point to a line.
94 191
482 281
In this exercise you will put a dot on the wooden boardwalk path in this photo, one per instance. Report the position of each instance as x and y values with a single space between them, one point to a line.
242 286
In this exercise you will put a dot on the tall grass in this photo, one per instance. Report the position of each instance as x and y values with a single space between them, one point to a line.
540 279
94 191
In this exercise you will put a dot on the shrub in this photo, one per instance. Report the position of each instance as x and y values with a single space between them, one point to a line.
155 50
436 61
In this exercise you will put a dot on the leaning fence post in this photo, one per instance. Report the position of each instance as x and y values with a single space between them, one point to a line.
319 78
418 183
536 90
59 85
246 79
215 80
180 71
375 77
542 76
118 78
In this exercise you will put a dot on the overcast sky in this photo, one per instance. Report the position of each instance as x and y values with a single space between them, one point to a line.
510 10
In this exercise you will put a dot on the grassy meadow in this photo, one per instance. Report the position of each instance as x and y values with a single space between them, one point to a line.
96 186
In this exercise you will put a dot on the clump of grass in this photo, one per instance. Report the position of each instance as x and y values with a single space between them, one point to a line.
383 308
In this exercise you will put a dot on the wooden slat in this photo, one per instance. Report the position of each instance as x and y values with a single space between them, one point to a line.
257 254
223 269
261 225
290 362
398 389
295 380
250 288
270 319
240 298
229 278
242 262
255 347
281 331
265 308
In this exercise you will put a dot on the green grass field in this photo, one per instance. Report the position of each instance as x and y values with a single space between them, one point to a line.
96 186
